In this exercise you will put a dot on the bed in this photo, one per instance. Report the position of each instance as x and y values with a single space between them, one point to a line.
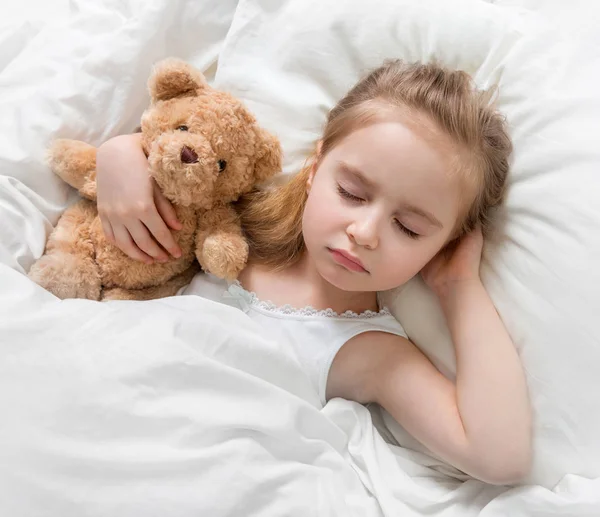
178 406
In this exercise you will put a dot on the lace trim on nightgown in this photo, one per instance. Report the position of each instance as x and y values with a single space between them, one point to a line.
289 310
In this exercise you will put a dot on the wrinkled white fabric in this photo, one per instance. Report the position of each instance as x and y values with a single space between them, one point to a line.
180 407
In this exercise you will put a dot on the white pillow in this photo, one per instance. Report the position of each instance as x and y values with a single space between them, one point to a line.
291 61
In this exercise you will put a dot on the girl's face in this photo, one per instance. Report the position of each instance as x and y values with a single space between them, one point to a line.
381 204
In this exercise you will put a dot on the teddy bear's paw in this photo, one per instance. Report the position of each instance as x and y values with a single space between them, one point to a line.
65 276
224 255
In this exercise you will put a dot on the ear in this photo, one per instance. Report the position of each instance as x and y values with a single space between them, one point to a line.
269 155
172 78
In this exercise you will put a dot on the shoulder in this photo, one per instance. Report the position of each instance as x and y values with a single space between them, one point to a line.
362 361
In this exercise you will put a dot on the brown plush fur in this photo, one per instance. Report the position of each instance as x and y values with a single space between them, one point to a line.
201 170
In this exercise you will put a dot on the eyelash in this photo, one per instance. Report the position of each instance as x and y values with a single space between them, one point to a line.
355 199
404 229
351 197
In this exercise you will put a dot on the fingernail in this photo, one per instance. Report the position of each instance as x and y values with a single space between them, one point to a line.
177 253
162 260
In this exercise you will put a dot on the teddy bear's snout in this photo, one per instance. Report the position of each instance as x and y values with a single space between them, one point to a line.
188 155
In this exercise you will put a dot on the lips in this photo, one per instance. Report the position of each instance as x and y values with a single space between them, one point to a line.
347 260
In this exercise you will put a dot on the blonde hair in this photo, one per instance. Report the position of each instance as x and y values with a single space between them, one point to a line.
272 218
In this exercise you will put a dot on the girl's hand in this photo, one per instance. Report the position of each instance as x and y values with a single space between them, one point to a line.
133 210
451 268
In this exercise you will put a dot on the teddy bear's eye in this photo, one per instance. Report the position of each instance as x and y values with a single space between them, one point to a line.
182 128
222 164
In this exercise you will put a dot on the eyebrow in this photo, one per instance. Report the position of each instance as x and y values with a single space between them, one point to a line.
423 213
359 176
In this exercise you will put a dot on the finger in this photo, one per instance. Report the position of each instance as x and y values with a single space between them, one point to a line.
165 209
144 241
476 233
125 243
160 231
108 231
473 240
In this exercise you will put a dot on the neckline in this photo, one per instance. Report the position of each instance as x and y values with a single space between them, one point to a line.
308 311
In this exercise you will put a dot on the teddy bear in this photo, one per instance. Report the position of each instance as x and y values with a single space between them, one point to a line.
204 150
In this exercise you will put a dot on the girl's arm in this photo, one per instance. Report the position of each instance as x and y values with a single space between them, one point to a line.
133 211
481 424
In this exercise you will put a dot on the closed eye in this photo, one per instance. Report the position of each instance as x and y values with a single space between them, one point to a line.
407 231
355 199
350 197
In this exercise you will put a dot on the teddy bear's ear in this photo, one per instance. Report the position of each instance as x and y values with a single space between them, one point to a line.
269 155
174 78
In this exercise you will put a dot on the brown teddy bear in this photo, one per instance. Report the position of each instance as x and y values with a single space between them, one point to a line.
204 150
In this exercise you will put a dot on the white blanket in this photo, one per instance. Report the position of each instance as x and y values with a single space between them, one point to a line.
178 407
174 407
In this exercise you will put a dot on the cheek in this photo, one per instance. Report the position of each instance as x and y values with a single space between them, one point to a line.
321 213
405 258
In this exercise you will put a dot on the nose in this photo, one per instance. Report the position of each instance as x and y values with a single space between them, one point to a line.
364 232
188 155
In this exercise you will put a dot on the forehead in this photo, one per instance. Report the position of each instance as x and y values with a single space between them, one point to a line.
407 161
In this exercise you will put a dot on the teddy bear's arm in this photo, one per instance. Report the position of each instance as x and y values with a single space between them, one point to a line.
220 245
75 162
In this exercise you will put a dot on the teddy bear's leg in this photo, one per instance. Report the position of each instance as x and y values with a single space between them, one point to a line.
169 288
220 245
68 269
75 162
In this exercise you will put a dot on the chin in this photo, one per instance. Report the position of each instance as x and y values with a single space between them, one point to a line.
343 279
356 282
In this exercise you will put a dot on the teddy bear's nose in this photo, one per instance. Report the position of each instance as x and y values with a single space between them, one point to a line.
188 155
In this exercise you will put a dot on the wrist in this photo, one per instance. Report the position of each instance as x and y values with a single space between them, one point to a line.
453 289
